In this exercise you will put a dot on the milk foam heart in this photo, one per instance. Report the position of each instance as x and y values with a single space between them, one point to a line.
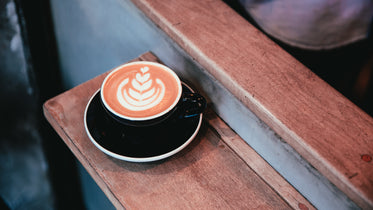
138 97
141 90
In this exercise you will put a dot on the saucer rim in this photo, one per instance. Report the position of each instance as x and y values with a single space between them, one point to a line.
139 159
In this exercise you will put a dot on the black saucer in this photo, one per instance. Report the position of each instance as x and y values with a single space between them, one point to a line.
138 144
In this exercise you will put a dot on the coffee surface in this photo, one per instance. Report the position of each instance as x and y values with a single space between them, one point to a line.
141 90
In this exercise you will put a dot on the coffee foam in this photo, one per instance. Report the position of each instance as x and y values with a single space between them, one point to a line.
141 90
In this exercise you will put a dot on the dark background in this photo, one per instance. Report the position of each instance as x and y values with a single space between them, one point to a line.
33 160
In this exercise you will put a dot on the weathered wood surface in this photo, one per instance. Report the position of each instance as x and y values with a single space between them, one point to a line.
329 131
209 173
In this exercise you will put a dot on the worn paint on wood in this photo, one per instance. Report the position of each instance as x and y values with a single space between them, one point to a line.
325 128
208 173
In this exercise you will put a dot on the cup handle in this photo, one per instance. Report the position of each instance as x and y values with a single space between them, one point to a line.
192 104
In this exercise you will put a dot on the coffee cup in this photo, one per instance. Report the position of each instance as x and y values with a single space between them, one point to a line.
143 93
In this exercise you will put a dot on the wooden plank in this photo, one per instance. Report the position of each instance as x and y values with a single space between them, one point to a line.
207 174
256 163
324 127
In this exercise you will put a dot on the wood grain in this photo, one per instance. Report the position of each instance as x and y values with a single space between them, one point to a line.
324 127
208 174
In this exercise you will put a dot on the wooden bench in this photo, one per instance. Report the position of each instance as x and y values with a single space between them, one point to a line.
325 128
308 132
209 173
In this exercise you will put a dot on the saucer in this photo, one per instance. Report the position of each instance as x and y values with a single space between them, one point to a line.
138 144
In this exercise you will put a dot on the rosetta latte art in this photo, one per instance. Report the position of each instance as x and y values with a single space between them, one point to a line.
142 92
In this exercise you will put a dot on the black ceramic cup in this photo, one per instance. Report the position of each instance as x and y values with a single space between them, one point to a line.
144 94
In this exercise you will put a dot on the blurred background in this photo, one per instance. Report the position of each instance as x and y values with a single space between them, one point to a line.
33 161
49 46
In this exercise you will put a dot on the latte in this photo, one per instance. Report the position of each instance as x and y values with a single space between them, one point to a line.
141 90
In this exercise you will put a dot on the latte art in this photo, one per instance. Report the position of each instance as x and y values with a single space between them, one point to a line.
141 90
